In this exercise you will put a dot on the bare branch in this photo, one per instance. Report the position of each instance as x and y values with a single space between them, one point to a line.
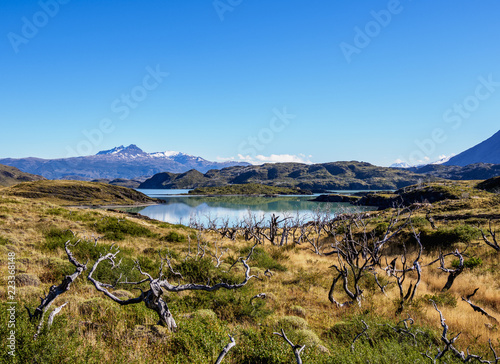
360 334
225 350
494 243
477 308
260 295
55 291
297 349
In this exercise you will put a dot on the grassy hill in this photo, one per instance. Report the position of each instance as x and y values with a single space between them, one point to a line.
326 176
10 176
79 193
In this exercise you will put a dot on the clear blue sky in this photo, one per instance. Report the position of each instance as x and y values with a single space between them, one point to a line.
100 68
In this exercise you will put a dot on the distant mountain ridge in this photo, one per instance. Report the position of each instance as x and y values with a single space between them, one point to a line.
326 176
129 162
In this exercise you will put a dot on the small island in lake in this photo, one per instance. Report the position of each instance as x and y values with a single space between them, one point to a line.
249 189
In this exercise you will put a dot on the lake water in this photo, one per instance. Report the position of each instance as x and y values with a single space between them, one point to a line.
180 209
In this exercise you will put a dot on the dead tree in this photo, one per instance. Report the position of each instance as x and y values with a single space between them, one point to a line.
297 349
226 230
448 346
391 232
494 243
285 231
359 252
296 225
153 297
400 275
477 308
217 255
252 227
55 291
431 220
273 229
314 235
348 265
406 330
452 273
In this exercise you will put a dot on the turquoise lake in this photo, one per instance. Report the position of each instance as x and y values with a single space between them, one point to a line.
180 209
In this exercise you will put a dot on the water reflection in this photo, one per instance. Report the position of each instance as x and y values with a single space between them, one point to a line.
235 208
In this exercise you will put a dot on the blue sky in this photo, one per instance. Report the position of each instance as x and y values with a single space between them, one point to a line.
314 81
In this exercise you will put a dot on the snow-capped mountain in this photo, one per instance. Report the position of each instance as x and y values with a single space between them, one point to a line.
405 165
400 165
443 160
121 162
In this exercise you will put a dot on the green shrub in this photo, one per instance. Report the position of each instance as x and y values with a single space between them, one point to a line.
118 229
196 341
381 229
445 237
57 211
293 322
56 238
307 337
470 263
441 299
419 221
262 259
174 237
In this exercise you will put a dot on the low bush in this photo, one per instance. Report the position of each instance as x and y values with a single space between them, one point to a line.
470 263
441 299
118 229
174 237
262 259
446 237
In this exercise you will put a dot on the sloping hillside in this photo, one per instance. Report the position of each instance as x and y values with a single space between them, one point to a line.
10 176
487 151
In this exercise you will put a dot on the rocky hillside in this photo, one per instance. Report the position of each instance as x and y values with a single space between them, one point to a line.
10 176
315 177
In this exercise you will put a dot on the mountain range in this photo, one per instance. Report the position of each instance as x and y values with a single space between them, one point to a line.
129 162
316 177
